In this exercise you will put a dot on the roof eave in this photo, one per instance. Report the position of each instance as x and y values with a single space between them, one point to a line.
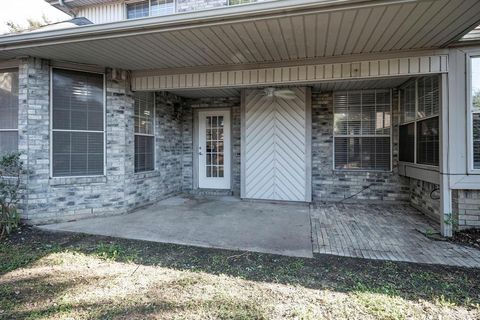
179 20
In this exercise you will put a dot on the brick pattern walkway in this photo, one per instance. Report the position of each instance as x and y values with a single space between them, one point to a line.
383 232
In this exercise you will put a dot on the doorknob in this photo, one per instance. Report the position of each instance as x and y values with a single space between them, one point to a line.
200 153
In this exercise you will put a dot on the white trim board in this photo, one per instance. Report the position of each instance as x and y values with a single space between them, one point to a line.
300 74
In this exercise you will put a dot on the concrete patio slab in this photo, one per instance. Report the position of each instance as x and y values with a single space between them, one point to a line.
214 222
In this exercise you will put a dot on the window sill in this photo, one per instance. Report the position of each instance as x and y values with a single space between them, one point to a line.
59 181
419 171
420 166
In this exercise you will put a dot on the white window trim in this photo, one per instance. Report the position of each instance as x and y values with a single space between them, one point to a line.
470 111
148 135
415 122
365 136
104 125
149 8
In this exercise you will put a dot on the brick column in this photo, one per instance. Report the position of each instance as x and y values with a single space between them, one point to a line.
34 124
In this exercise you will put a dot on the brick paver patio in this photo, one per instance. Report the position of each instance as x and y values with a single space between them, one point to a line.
385 232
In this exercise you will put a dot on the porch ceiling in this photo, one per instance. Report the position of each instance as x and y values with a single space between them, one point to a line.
384 83
266 32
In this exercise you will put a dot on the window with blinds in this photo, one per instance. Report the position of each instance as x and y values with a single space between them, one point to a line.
475 109
144 131
8 111
419 121
78 123
362 130
138 9
161 7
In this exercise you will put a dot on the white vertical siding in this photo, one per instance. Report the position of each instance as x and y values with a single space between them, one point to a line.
276 146
296 74
104 13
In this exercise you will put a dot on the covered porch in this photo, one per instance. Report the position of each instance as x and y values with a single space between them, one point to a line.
381 232
226 62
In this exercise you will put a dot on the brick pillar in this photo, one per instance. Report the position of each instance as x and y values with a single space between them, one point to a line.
34 124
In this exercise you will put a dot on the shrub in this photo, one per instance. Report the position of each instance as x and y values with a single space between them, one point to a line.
11 170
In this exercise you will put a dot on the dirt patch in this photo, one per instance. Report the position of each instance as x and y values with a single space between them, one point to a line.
59 275
469 237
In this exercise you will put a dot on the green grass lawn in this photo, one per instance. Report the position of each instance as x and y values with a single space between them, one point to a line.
67 276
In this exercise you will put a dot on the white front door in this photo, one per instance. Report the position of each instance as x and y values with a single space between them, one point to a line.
214 149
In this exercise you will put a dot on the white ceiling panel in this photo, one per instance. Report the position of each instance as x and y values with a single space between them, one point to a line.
385 83
207 93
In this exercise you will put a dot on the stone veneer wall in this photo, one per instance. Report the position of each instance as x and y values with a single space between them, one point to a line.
466 208
330 185
144 188
233 103
121 190
194 5
424 196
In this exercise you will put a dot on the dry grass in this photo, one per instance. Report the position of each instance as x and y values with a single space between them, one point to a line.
60 276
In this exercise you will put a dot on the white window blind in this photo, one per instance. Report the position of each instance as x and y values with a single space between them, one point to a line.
362 129
162 7
409 102
475 109
8 111
77 123
144 131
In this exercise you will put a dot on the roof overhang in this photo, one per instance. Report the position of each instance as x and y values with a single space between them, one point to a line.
266 32
68 5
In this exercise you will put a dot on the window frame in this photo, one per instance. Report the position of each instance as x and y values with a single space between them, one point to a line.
415 122
17 130
153 135
364 136
63 130
126 3
470 111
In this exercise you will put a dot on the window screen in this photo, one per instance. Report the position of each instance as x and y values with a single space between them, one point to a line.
407 142
428 141
408 96
428 97
419 109
77 123
144 131
138 10
8 111
475 109
362 127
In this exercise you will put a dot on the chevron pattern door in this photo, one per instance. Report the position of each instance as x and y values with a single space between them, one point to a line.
276 146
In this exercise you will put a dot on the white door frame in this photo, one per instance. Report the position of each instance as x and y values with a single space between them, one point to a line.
200 179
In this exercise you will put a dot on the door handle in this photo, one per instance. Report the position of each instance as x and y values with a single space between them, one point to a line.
200 153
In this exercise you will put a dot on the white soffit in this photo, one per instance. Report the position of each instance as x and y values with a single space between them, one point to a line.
274 31
303 74
207 93
383 83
